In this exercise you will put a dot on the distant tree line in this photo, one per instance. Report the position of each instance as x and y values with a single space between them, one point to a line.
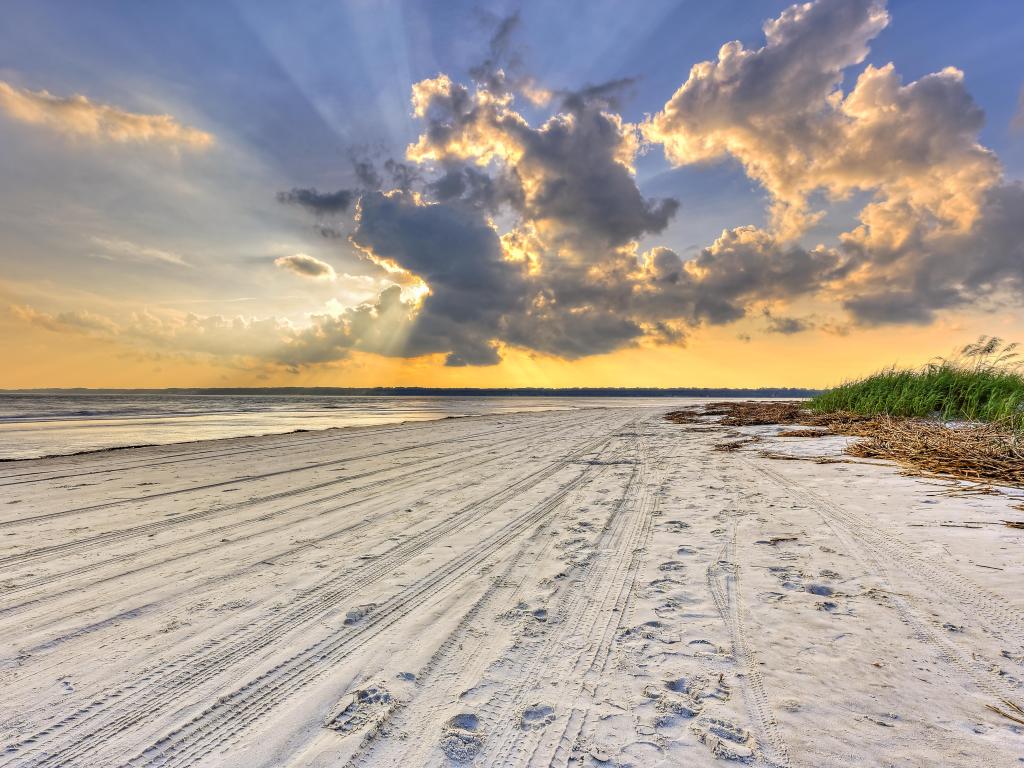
456 391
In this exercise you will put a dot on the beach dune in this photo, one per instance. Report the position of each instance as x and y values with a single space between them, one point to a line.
587 587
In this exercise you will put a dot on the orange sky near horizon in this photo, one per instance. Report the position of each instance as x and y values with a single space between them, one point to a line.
41 358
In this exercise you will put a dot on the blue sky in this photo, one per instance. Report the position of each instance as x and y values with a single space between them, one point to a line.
300 84
298 80
292 92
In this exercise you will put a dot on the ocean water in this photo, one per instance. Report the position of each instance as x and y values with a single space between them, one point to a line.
33 425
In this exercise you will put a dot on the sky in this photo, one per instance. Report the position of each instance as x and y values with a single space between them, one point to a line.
377 193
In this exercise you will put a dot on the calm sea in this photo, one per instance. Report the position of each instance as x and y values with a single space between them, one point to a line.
43 424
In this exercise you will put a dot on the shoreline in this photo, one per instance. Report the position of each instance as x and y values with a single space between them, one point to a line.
61 428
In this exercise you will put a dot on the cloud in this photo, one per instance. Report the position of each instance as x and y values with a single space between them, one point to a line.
499 231
491 72
320 203
77 116
747 264
910 279
328 232
117 248
571 177
942 227
77 321
566 276
560 280
769 107
779 110
306 266
238 339
458 255
787 326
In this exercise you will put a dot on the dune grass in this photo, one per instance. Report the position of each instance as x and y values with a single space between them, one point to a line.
983 382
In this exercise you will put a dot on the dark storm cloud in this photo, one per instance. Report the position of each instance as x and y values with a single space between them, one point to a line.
306 266
572 334
583 185
786 326
890 307
930 271
574 161
607 95
457 254
564 275
367 174
493 72
747 264
473 187
320 203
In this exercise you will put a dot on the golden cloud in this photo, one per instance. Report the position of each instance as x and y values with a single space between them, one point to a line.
78 116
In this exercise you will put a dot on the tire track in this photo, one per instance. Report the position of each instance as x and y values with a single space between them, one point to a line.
585 634
461 654
149 529
304 443
300 669
236 711
557 751
876 551
354 528
723 584
254 478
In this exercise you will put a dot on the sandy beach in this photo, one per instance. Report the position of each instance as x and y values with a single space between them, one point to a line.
591 587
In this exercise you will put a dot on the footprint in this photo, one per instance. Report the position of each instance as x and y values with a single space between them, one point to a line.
672 705
675 526
650 630
664 584
677 686
700 686
671 607
726 740
536 716
789 705
370 704
465 721
358 613
460 740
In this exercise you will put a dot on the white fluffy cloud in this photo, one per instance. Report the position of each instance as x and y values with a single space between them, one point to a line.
779 110
938 216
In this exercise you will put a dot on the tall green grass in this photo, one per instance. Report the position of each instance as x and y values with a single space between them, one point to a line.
983 382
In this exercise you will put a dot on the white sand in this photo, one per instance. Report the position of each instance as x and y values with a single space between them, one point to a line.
564 588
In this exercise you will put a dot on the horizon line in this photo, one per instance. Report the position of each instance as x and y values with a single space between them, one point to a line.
407 390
